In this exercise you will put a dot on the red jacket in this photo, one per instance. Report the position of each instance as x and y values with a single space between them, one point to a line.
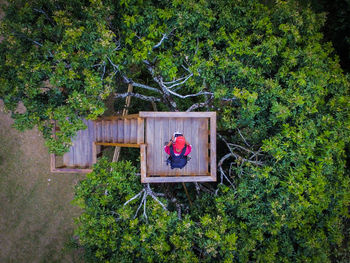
188 150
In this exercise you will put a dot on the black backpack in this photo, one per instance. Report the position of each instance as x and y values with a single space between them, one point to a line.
177 161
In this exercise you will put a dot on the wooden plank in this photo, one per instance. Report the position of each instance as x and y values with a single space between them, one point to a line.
164 138
213 147
82 141
126 130
157 165
178 179
52 162
94 153
120 131
91 135
73 150
171 114
97 132
114 131
103 131
133 131
118 117
143 162
203 158
195 146
134 145
140 130
67 157
189 137
108 131
72 170
150 142
179 128
179 125
172 128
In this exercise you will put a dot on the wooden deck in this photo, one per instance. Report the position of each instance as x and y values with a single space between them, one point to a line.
158 133
80 154
150 131
199 129
117 131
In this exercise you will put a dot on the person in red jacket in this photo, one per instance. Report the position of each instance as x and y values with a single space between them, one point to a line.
178 149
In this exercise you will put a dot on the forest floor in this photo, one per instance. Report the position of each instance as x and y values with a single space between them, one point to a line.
36 214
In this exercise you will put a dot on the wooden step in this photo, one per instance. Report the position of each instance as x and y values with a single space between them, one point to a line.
133 131
140 131
127 130
120 131
114 130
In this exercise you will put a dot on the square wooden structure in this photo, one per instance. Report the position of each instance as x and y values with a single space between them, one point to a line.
149 131
199 129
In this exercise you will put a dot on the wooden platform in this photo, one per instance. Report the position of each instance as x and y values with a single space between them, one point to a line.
199 129
114 131
158 133
150 131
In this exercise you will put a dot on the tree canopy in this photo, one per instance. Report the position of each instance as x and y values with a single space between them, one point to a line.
283 105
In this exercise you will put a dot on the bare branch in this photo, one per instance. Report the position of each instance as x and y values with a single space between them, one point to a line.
200 104
45 14
223 175
136 196
144 208
180 83
165 36
104 71
135 84
243 137
136 95
190 95
173 81
243 148
114 65
143 199
237 156
159 80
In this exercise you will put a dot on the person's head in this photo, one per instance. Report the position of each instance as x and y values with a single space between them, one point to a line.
179 143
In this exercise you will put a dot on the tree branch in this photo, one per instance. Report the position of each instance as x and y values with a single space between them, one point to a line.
200 104
136 196
237 156
180 83
165 36
136 95
135 84
243 137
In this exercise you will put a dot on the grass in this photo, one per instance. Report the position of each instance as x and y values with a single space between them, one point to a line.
36 214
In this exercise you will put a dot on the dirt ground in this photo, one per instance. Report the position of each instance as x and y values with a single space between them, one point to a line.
36 214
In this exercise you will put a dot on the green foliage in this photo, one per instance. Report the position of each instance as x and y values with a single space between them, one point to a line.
52 60
275 82
109 231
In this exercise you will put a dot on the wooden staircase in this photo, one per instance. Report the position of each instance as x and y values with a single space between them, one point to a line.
128 130
123 131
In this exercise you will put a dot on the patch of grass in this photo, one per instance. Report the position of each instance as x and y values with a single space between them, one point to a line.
36 214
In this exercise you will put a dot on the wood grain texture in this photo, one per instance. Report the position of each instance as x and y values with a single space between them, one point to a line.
134 145
159 130
133 131
172 114
143 162
140 130
213 146
172 179
150 143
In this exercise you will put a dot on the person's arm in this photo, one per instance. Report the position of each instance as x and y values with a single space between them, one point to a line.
187 143
171 141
